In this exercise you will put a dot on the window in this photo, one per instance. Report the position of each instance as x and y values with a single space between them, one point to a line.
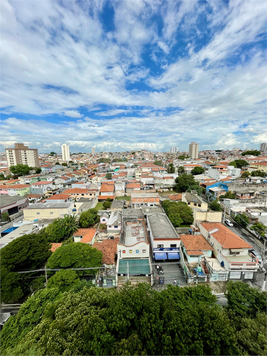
130 251
37 213
137 251
160 246
195 204
51 212
123 251
173 245
144 251
115 227
103 219
82 194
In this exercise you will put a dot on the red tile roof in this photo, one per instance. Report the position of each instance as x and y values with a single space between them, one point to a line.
194 244
55 246
108 249
104 197
175 197
87 234
225 236
41 183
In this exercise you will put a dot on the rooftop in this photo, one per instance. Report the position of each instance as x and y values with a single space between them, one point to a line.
7 200
225 236
136 266
194 244
161 227
134 232
50 206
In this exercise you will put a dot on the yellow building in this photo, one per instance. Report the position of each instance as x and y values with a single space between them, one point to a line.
261 166
47 211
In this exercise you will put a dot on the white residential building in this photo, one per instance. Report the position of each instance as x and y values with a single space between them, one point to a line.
193 150
65 152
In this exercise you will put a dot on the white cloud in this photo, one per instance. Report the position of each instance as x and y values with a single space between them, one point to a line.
73 113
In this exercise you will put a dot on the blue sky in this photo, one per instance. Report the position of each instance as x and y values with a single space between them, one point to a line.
136 74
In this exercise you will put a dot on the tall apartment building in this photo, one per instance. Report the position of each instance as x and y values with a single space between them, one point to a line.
93 150
22 155
65 149
263 147
173 149
193 150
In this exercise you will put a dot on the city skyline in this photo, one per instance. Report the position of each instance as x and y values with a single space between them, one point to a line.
133 75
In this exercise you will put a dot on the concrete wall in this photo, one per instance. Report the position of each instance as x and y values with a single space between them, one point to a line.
141 246
211 216
32 214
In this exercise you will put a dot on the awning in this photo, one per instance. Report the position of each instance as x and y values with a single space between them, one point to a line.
173 255
160 256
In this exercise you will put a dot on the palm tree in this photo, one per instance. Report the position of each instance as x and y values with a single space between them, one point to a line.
70 225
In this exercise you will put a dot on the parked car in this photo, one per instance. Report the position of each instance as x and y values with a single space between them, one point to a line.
255 254
228 222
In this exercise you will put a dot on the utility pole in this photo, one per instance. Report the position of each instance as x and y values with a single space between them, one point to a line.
128 277
46 276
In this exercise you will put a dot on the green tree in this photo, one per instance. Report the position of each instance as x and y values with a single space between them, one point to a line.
182 157
88 218
2 177
171 168
239 163
259 228
5 216
57 163
20 169
251 335
62 229
245 174
76 255
178 213
27 252
38 170
215 206
258 173
245 301
107 203
133 321
63 280
109 176
228 195
197 188
251 153
242 219
64 164
180 169
183 182
52 154
197 170
158 163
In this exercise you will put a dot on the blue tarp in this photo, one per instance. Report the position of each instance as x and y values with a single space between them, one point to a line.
7 231
173 255
160 256
199 273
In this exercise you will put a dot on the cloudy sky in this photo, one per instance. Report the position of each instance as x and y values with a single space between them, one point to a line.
133 74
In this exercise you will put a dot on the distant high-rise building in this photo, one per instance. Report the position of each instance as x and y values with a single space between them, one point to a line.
193 150
93 150
173 149
65 152
22 155
263 147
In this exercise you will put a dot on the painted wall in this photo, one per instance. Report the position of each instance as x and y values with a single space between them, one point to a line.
32 214
142 247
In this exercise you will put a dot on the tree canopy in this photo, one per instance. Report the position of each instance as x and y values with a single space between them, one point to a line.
133 320
215 206
108 175
258 173
239 163
251 153
20 169
197 170
27 252
259 228
88 218
170 168
158 163
245 174
179 213
180 169
62 229
63 280
75 255
242 220
183 182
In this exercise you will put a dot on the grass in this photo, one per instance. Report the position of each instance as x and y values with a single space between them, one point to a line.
124 198
99 206
167 193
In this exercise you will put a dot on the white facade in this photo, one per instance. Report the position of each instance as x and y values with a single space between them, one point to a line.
173 149
22 155
93 150
263 147
65 152
193 150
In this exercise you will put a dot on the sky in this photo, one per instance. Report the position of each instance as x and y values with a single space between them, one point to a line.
133 74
